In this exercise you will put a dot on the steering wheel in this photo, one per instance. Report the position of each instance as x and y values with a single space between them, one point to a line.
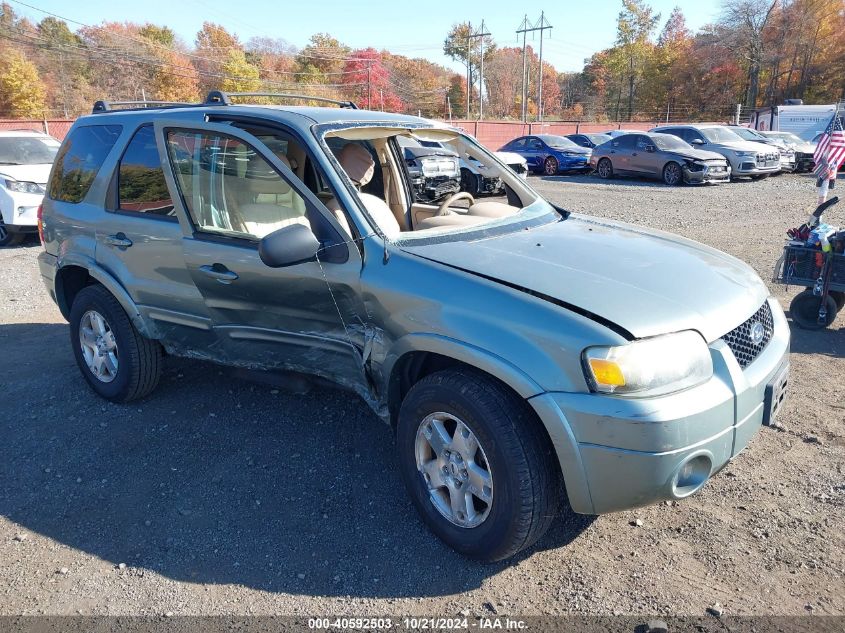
444 208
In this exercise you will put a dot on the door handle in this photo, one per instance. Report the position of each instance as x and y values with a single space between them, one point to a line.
120 240
220 273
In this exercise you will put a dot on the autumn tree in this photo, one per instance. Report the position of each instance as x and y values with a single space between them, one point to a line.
22 93
238 74
634 28
460 46
745 22
213 48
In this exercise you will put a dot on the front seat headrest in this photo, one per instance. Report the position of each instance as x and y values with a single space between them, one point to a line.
357 162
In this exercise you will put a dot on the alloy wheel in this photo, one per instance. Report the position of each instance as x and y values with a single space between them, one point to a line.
455 469
550 166
99 346
672 174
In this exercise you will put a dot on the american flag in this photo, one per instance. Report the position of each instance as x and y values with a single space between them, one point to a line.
831 148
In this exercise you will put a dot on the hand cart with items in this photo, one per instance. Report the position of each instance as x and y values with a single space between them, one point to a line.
814 257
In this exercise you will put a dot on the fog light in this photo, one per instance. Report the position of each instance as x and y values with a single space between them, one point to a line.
21 210
691 476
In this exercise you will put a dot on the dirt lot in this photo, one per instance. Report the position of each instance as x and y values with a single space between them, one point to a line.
220 496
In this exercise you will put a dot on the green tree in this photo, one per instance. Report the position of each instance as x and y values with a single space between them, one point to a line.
634 28
22 93
461 48
239 74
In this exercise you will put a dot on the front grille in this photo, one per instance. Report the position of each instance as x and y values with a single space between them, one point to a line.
739 339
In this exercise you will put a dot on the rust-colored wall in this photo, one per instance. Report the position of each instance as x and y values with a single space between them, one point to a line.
54 127
491 134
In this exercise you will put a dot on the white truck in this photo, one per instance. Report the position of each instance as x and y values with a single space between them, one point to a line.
806 121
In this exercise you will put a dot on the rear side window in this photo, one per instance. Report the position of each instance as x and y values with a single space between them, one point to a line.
140 179
79 160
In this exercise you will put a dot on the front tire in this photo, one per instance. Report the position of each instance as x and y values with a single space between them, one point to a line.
478 466
7 238
605 169
469 182
118 363
550 166
673 175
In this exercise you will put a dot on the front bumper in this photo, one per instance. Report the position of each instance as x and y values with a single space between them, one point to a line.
750 167
573 163
20 210
706 175
621 453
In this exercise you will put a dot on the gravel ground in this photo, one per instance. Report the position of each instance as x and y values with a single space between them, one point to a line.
221 496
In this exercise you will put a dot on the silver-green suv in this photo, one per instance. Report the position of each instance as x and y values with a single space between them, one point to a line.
523 354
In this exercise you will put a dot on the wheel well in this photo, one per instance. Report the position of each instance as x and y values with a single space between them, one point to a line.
414 366
69 281
408 370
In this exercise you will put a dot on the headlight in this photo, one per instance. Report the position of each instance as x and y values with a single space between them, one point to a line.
747 154
694 166
649 367
21 186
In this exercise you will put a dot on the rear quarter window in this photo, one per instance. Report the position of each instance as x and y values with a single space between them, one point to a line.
79 160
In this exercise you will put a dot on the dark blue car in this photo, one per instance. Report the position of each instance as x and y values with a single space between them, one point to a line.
550 154
591 140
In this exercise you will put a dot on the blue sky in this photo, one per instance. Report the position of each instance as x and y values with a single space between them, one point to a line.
415 29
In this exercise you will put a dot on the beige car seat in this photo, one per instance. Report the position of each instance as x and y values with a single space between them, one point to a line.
359 166
262 218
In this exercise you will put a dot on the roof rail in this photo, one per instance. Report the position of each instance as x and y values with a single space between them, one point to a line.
217 97
107 106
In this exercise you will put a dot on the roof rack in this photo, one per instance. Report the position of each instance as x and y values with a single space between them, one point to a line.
217 97
107 106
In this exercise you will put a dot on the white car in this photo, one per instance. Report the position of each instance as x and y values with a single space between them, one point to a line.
25 162
476 177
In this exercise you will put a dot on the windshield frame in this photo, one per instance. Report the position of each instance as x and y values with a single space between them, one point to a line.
538 212
15 144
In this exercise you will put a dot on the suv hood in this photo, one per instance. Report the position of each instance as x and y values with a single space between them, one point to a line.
746 146
28 173
644 281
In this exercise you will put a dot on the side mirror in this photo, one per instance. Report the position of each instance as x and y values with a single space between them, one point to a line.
294 244
650 149
697 141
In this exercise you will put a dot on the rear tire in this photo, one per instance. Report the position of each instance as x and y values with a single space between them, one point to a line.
515 453
604 169
839 298
804 310
138 359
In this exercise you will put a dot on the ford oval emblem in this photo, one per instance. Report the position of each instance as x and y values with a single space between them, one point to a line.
757 333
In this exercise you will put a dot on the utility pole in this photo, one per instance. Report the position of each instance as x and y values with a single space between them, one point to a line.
481 33
542 25
369 86
469 63
523 28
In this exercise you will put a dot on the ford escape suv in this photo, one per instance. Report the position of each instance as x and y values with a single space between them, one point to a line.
521 352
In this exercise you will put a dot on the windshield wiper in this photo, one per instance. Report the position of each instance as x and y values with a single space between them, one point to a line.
3 162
